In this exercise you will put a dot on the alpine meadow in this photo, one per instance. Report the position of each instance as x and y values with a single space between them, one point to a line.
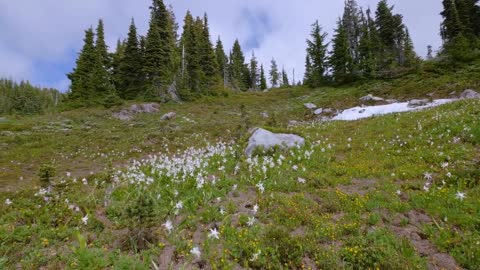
181 149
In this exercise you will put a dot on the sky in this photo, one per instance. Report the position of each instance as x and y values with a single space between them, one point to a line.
40 40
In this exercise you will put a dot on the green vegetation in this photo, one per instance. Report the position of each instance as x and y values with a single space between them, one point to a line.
23 98
333 204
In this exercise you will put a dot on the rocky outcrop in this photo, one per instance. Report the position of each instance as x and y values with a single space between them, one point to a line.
470 94
169 116
127 114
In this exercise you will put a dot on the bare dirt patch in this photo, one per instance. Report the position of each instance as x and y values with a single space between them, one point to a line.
436 260
359 187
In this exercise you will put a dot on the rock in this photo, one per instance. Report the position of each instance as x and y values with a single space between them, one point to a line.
418 102
391 101
370 97
169 116
293 123
469 94
172 92
127 114
328 111
265 139
310 106
318 111
7 133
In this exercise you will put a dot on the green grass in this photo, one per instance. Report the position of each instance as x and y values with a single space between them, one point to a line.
347 214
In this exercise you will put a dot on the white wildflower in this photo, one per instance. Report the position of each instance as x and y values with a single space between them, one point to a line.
255 256
260 187
168 225
85 219
460 195
251 221
196 252
427 176
255 208
301 180
214 233
295 167
8 202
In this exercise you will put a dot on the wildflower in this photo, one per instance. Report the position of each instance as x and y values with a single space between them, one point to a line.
8 202
84 181
260 187
255 208
295 167
460 195
235 187
214 233
196 252
179 205
427 176
444 165
255 256
85 219
168 225
426 187
449 174
398 192
222 211
301 180
68 174
251 221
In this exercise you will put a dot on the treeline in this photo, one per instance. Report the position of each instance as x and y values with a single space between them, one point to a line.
163 65
364 46
460 29
23 98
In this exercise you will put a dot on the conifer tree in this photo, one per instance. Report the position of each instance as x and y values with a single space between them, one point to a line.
308 71
208 59
222 59
101 46
192 71
352 25
340 60
429 52
81 77
238 70
317 53
130 70
274 74
153 62
263 79
254 76
165 24
411 57
285 82
369 47
117 58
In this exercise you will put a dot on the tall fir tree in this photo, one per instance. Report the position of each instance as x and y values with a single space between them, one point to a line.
274 74
117 58
340 60
153 62
317 53
101 46
222 60
208 60
192 73
285 81
238 70
411 58
307 77
81 77
165 24
352 25
254 76
130 70
263 79
369 47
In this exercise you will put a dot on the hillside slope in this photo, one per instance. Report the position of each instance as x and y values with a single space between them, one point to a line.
394 192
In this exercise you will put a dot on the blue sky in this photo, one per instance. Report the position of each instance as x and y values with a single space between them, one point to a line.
40 39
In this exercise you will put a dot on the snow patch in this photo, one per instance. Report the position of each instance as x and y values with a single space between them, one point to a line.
369 111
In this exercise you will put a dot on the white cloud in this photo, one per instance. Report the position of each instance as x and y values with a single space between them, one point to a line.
49 30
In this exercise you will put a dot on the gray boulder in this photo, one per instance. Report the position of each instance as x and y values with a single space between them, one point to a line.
127 114
370 97
469 94
310 106
318 111
265 139
418 103
169 116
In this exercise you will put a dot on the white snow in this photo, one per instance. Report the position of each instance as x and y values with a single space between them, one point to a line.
369 111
